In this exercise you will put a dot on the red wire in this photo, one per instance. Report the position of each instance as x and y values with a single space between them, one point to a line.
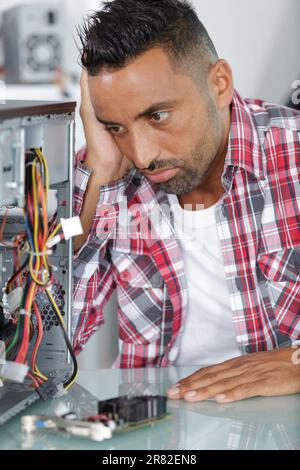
42 236
33 379
21 357
23 351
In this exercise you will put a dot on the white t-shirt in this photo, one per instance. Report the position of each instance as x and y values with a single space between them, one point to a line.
208 334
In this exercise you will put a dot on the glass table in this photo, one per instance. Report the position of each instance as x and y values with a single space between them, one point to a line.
256 423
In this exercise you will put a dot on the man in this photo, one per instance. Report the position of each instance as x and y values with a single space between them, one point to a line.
165 128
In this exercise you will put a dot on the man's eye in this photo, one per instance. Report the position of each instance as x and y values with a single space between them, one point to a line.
160 116
113 130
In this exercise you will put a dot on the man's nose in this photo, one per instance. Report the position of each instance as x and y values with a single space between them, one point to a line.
143 151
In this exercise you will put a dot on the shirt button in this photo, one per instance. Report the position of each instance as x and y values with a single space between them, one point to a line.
239 284
136 181
104 211
225 211
125 275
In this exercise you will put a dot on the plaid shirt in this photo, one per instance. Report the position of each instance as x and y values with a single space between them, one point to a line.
258 223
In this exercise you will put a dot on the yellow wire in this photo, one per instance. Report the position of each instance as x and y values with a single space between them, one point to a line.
44 207
36 208
44 162
31 297
39 373
36 248
54 232
43 159
36 213
40 157
38 151
35 228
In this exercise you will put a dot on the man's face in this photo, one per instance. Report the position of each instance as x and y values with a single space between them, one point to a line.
159 117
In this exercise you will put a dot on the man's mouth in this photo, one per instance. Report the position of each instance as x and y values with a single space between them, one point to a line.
162 175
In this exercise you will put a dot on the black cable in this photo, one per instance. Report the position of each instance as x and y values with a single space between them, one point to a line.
69 346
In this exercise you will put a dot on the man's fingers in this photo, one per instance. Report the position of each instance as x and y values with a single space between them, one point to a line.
200 373
210 370
242 391
211 378
86 104
266 373
84 84
202 392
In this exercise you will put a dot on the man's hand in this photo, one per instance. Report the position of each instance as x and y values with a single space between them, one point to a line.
259 374
103 155
103 158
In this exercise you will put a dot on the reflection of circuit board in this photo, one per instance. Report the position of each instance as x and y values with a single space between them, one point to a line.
116 415
135 411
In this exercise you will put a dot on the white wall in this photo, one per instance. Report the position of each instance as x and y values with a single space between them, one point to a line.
260 39
102 348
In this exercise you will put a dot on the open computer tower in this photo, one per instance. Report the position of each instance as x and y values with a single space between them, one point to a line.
49 127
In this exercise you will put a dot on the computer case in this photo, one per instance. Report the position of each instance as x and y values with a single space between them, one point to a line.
48 126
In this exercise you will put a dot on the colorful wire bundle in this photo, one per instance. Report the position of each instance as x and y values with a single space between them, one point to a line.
35 272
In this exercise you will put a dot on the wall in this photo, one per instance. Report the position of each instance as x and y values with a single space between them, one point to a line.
260 39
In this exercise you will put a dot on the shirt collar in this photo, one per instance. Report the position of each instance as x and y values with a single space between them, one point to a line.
244 147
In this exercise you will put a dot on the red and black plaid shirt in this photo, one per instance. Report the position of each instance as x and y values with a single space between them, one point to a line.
258 224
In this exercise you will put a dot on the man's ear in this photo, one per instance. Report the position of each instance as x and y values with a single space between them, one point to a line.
220 82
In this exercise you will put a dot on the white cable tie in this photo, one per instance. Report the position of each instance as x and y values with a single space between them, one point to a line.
39 271
71 227
41 253
49 285
24 312
31 164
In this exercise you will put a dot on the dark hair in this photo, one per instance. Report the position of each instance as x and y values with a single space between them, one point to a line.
124 29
